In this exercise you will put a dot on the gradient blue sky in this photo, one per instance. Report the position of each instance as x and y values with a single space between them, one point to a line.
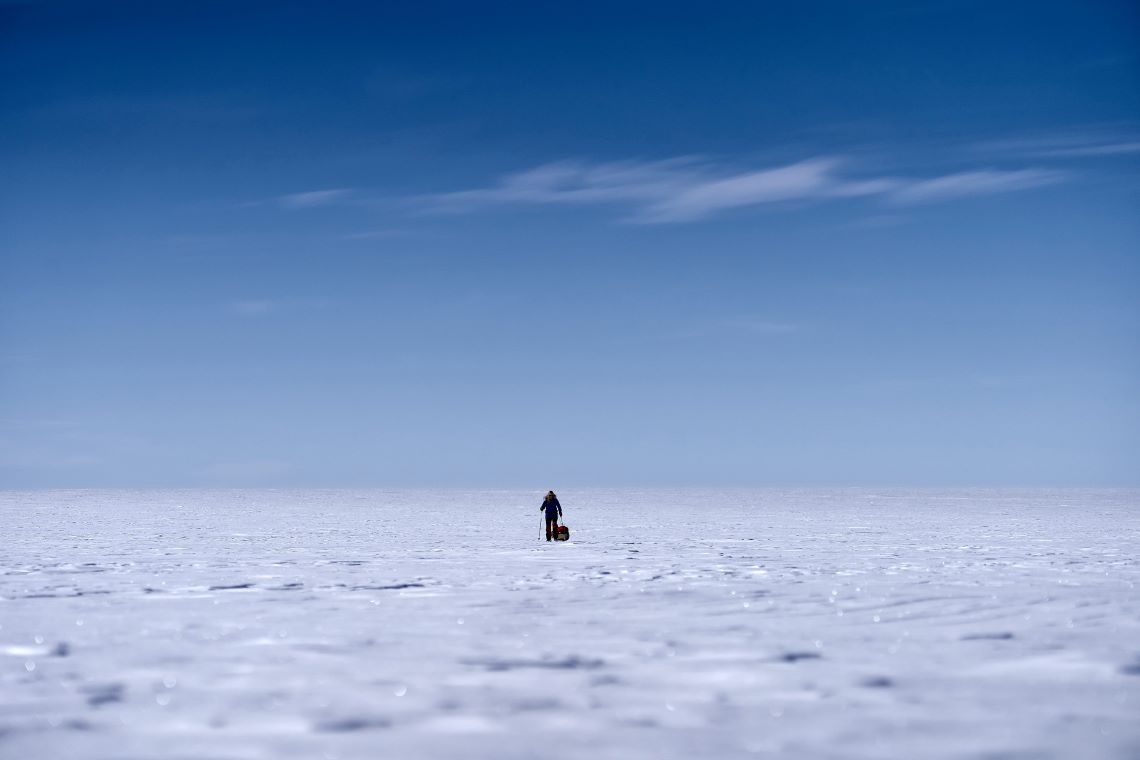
559 244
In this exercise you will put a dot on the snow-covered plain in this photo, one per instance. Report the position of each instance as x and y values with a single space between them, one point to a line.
674 624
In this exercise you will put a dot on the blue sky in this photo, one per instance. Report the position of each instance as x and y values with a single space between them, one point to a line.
551 245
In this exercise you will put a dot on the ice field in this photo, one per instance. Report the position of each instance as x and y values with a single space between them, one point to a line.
674 624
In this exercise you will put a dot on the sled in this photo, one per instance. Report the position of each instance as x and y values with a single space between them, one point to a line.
563 533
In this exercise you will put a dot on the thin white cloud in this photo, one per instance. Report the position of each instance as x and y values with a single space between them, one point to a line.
1102 149
966 184
314 198
794 182
573 182
814 179
687 190
1080 142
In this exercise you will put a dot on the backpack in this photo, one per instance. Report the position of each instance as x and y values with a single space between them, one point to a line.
563 533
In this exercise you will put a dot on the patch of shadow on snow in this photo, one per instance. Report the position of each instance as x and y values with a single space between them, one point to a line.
346 647
605 680
641 722
565 663
72 595
531 705
797 656
234 587
103 693
72 724
876 682
86 567
347 725
1002 636
1132 668
392 587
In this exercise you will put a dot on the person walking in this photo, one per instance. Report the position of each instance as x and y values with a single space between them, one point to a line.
553 511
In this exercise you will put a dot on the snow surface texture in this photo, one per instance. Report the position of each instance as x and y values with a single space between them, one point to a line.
674 624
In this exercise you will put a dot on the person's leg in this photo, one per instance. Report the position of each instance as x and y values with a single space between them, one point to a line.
549 528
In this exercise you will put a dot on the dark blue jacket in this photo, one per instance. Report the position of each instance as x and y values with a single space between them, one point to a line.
552 508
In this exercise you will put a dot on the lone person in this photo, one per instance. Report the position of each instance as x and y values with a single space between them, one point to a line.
553 511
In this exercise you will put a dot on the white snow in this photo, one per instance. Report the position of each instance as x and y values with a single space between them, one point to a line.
674 624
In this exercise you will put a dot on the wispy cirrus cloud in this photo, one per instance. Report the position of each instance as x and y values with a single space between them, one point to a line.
965 184
814 179
687 189
1090 141
314 198
578 182
1098 149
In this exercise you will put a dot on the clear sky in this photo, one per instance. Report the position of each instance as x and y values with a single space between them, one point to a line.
574 243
